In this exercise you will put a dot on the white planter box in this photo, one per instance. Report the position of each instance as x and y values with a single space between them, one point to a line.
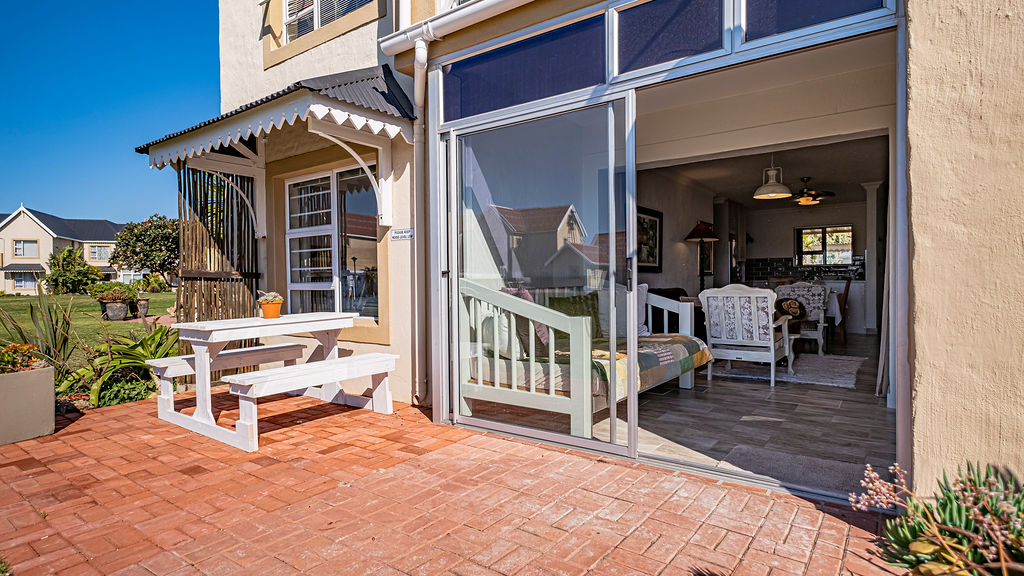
28 405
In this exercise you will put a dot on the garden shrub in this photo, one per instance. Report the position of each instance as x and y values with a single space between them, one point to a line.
18 358
120 391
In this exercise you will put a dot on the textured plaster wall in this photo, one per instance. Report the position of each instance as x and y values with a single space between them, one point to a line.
242 75
23 228
965 125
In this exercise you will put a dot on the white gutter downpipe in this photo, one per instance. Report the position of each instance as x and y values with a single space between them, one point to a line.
445 23
419 184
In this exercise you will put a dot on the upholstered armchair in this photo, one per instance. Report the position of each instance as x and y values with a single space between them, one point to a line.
814 297
741 326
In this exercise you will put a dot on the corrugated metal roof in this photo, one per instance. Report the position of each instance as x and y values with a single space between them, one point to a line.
107 270
18 267
373 88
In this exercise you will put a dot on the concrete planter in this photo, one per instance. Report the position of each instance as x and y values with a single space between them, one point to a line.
143 306
117 311
28 405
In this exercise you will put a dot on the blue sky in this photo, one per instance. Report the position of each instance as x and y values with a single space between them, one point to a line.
80 92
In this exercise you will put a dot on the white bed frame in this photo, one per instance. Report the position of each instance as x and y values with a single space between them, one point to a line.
478 302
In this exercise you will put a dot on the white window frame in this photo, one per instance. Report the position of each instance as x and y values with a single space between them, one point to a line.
315 10
19 248
329 230
94 248
132 275
25 281
333 231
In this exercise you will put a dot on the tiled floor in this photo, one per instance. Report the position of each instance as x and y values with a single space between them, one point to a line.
341 491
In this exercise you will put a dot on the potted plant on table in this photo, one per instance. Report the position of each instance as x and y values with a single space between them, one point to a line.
270 303
26 383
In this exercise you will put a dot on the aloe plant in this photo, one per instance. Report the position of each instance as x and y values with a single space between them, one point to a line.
51 333
120 354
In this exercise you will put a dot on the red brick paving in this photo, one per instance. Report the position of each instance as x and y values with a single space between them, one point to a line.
334 490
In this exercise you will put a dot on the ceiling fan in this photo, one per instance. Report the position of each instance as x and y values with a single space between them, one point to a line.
808 196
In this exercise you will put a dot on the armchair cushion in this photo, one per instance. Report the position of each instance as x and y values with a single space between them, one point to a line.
585 305
790 307
522 324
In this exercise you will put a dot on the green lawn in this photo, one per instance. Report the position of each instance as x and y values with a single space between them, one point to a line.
85 315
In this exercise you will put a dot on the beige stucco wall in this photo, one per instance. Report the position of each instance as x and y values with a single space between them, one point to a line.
23 227
402 328
243 77
965 104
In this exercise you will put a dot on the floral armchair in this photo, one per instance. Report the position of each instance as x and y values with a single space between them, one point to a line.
741 326
814 297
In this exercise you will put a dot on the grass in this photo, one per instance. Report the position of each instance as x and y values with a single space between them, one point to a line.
85 316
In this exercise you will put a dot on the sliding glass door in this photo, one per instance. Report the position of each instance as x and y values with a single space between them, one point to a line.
545 309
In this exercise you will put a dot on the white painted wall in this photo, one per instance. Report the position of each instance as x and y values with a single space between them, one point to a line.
772 229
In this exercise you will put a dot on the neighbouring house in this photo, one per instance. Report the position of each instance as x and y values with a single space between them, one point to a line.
512 146
28 237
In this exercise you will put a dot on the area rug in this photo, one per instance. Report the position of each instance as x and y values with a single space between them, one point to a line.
827 370
794 469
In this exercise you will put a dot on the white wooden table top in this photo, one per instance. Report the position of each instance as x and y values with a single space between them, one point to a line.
242 328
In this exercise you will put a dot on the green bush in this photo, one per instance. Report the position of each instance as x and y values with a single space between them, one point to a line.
113 292
121 391
69 272
123 355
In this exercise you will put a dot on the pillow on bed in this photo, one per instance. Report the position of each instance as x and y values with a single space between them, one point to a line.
621 327
508 345
585 305
523 325
792 307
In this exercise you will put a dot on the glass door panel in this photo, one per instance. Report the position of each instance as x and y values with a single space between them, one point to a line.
542 328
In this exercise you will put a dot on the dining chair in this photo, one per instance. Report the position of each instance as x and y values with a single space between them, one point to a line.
814 297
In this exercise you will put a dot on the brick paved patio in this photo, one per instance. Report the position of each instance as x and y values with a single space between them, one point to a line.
340 491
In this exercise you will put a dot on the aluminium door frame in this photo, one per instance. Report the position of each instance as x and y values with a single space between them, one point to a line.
448 188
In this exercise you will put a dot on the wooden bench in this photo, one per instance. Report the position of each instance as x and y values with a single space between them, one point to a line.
314 379
166 369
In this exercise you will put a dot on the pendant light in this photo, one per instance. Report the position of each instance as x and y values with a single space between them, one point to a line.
772 187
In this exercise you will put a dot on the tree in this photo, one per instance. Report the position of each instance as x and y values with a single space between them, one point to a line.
69 273
151 244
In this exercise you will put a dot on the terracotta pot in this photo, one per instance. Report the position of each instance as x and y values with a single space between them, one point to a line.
271 309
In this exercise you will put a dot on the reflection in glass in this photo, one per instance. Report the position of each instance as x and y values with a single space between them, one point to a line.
769 17
535 239
357 243
667 30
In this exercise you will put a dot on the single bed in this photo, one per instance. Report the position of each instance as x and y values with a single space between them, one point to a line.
569 374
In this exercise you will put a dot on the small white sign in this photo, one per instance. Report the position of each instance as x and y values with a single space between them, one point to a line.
399 234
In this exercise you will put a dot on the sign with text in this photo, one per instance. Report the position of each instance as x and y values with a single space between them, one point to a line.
399 234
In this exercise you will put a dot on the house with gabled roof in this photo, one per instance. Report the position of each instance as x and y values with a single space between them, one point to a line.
28 237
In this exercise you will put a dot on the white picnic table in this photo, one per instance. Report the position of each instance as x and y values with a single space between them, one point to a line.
208 339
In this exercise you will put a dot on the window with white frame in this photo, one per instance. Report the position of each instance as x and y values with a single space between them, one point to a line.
303 16
331 243
24 281
129 276
99 252
26 248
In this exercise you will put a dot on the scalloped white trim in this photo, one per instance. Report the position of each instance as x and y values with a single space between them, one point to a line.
264 119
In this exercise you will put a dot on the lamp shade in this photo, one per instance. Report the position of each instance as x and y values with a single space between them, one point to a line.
772 188
702 231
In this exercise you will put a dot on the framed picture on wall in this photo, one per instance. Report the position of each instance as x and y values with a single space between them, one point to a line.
649 245
707 256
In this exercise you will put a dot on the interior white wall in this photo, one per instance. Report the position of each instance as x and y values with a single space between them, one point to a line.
772 229
682 205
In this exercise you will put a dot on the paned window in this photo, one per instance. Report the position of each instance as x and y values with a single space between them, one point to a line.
303 16
824 245
332 244
24 281
555 62
26 248
99 253
770 17
667 30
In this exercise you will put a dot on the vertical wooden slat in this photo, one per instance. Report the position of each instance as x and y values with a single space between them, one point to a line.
533 355
551 361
